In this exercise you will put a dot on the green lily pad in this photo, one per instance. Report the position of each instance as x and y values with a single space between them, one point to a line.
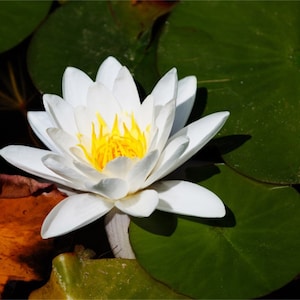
253 250
83 33
247 54
18 19
76 276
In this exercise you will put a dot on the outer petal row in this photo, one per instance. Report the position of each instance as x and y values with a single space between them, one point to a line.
186 198
74 212
198 133
79 210
30 160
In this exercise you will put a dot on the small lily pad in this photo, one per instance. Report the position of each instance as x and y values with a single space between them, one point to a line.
76 276
252 251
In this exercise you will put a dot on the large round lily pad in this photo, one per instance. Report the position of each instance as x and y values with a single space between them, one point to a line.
254 250
247 54
18 19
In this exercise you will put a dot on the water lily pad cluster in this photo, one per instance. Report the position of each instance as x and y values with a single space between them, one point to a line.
247 61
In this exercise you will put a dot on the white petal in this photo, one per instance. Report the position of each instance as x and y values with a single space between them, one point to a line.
84 118
187 88
89 171
153 139
199 133
39 122
101 100
145 115
169 155
186 198
125 91
75 84
80 156
74 212
111 188
108 72
119 167
61 112
30 160
166 88
140 204
62 140
164 123
138 174
63 167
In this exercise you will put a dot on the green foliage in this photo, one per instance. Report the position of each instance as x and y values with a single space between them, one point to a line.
83 33
76 276
18 19
252 251
247 55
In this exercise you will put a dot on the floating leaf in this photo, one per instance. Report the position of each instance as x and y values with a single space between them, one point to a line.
18 19
83 34
24 203
76 276
247 54
254 250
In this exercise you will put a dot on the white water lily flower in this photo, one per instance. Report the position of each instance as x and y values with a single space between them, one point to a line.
112 149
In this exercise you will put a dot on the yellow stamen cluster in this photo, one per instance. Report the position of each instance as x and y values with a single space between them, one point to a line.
110 143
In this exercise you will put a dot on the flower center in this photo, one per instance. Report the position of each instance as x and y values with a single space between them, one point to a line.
109 143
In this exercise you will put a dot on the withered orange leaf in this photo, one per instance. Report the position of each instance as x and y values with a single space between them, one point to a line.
24 203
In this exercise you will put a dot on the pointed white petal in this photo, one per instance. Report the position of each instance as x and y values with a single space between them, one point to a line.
75 84
199 133
39 122
170 154
64 168
153 139
61 113
119 167
62 140
140 204
187 88
111 188
89 171
164 123
30 160
138 174
186 198
84 118
125 91
74 212
101 100
166 88
145 115
108 72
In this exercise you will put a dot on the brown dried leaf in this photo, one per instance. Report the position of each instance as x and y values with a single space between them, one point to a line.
24 203
16 186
